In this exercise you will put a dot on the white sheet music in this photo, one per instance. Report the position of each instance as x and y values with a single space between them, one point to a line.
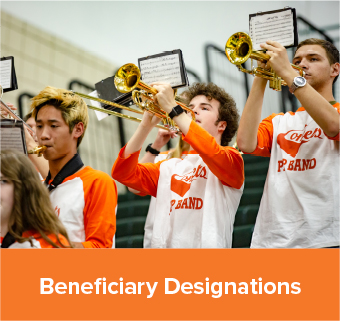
5 73
166 68
11 139
278 26
95 103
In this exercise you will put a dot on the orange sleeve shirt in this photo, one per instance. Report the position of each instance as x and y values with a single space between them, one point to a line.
266 131
225 162
299 205
86 204
197 196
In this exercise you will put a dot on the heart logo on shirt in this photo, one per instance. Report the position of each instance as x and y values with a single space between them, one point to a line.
291 141
180 184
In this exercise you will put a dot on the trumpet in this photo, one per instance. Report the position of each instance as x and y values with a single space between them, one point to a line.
127 79
4 107
37 150
239 49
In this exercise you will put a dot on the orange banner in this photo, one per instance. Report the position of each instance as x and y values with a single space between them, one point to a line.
141 284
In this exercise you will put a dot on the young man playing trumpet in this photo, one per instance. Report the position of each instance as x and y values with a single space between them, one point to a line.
84 199
196 197
300 203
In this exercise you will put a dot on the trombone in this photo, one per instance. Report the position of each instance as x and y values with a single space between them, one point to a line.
127 79
111 112
38 149
239 49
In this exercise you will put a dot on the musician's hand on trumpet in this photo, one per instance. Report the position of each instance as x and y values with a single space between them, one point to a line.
149 120
165 99
4 113
279 60
165 96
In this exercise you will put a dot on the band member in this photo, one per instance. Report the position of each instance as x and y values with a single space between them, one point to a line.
27 216
300 203
154 155
84 199
197 197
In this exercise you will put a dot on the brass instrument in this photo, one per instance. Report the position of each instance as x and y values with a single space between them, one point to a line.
127 79
37 150
111 112
239 49
4 107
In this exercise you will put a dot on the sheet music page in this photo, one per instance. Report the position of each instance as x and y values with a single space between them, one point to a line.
5 73
10 138
166 68
95 103
278 26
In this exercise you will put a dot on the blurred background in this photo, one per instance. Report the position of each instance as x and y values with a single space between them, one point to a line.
75 44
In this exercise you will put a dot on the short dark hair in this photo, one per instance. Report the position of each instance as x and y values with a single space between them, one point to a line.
331 51
27 117
227 110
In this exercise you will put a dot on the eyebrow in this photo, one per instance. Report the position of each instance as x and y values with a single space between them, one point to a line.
205 104
309 55
49 121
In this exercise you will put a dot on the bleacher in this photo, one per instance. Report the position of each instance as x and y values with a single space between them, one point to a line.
132 209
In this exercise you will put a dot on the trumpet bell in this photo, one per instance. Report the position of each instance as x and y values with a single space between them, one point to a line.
238 48
127 78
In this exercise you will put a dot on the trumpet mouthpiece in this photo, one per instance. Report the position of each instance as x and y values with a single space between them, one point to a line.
37 150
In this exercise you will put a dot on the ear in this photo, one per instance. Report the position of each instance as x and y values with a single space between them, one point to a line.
78 130
335 69
221 126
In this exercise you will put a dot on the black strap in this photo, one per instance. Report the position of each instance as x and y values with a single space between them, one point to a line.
71 167
7 241
176 111
153 151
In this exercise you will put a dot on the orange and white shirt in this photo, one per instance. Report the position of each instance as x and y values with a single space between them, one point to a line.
300 203
197 197
38 241
150 217
86 204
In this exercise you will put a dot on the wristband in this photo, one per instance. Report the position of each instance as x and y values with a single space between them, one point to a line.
151 150
176 111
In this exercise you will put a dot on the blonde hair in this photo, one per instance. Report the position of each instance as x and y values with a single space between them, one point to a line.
181 147
32 208
73 108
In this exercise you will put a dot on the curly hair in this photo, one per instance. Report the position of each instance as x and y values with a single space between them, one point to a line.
32 208
73 108
226 112
331 51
